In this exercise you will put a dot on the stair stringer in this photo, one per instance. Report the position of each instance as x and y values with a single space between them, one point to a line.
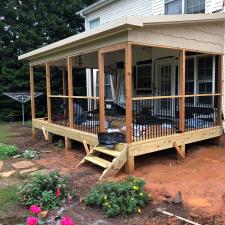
117 163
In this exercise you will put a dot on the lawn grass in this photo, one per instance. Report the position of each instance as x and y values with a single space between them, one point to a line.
5 133
10 211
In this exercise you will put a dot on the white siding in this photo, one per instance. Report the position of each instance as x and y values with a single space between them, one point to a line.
213 5
119 9
158 7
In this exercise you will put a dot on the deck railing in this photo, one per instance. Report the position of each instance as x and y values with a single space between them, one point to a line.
155 117
158 116
86 114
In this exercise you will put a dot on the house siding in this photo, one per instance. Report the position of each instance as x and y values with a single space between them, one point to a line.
120 9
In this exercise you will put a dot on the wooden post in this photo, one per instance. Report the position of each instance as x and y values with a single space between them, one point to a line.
182 62
32 99
70 90
101 79
64 89
128 83
49 107
220 88
68 144
48 89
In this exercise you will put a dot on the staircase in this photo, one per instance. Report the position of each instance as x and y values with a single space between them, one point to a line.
110 159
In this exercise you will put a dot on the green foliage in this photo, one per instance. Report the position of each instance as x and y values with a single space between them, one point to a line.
41 190
119 198
7 150
60 143
26 25
30 154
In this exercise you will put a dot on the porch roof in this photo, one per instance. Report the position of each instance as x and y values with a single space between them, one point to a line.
121 25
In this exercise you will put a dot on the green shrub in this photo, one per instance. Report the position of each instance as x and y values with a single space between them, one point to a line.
46 190
119 198
30 154
7 150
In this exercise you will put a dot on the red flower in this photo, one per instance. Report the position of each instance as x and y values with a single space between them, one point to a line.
32 220
35 209
66 220
58 192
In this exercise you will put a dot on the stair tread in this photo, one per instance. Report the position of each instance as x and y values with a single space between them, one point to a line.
106 151
98 161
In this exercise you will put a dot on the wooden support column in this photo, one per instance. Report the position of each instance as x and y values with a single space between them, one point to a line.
68 144
220 88
32 99
49 107
101 80
48 89
64 88
70 90
182 62
128 84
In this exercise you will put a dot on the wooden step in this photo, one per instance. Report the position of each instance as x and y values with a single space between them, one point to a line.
98 161
106 151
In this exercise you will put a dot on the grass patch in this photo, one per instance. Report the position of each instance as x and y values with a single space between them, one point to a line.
5 133
10 211
28 123
7 151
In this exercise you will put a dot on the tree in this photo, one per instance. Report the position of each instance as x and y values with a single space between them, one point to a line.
24 26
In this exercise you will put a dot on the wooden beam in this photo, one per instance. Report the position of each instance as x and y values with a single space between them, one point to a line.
86 147
70 90
220 88
68 144
182 62
129 166
32 99
64 89
48 89
180 150
101 80
113 48
128 83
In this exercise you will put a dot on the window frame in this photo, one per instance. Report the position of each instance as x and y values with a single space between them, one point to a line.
92 21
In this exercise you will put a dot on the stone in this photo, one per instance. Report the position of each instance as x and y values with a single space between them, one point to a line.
28 170
8 173
16 156
1 165
177 199
23 164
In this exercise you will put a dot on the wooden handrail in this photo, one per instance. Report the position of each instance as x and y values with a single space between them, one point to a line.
79 97
173 96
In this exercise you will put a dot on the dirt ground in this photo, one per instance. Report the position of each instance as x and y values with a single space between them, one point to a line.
200 178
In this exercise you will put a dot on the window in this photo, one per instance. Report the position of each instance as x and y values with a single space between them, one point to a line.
144 77
94 23
189 84
109 90
173 7
184 6
194 6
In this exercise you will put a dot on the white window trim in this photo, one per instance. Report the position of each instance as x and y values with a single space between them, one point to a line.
92 20
183 6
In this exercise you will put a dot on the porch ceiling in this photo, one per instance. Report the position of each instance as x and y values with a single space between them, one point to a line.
201 32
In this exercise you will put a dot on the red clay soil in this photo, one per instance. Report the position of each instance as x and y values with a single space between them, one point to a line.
200 178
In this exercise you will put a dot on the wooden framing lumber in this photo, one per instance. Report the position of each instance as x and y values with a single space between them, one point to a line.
113 48
86 147
68 144
70 90
180 150
48 89
44 133
158 144
220 87
64 88
182 62
101 79
128 87
32 99
70 133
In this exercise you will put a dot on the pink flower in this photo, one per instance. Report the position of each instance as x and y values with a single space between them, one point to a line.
32 220
58 192
66 220
35 209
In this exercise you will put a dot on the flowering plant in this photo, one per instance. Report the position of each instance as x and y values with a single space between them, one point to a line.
37 219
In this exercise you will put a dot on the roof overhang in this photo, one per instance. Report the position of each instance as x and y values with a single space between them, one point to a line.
95 6
122 24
